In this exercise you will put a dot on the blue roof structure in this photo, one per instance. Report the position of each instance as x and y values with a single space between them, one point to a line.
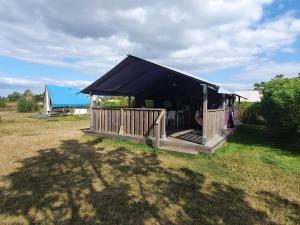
66 97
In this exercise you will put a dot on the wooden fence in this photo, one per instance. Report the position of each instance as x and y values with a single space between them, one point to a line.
215 123
141 122
147 122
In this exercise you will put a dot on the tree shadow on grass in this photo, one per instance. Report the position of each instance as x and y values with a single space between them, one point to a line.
277 204
80 183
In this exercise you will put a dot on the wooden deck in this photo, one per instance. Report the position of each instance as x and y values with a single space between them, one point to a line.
148 125
190 141
184 141
189 135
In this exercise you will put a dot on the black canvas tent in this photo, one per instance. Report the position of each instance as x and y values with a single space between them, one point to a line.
138 77
179 102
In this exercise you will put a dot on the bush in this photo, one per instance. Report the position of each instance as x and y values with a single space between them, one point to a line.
280 104
2 103
38 97
26 105
250 112
15 96
112 101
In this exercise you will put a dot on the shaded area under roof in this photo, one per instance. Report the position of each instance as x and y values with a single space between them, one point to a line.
136 76
66 97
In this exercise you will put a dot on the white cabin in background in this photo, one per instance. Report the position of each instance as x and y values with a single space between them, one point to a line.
249 96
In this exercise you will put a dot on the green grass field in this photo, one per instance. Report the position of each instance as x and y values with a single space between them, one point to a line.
51 172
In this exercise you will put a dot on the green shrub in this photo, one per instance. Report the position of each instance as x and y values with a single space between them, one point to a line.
26 105
38 97
250 112
15 96
280 104
112 101
149 103
2 103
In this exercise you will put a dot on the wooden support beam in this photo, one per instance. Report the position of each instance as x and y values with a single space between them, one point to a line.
163 124
223 101
205 125
157 128
91 113
121 130
223 107
157 134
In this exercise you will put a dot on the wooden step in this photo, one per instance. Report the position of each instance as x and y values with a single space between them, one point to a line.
183 146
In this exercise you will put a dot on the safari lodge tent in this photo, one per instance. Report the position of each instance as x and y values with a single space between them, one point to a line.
64 100
168 108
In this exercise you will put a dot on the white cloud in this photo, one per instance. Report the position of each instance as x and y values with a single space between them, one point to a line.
10 84
11 81
68 83
288 50
266 70
136 14
198 36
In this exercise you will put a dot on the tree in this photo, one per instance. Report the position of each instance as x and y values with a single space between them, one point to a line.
259 86
2 103
15 96
28 94
112 101
39 97
26 103
280 104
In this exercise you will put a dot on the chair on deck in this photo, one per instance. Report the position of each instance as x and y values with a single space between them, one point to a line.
171 118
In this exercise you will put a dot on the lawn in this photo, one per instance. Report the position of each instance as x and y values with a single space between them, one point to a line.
51 172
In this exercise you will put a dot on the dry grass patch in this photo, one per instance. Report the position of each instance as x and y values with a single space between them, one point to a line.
53 174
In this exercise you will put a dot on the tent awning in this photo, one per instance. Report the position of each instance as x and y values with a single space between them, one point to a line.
134 76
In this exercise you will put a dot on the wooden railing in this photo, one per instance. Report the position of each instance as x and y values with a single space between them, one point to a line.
157 131
226 117
215 123
140 122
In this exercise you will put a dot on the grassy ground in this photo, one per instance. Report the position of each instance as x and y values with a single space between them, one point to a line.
53 173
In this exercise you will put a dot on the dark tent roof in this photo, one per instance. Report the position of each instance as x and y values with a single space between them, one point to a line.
136 76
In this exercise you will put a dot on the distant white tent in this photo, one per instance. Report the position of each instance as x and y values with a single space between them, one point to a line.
249 96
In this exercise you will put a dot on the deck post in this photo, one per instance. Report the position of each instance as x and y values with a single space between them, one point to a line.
163 134
157 127
121 131
223 107
156 133
92 127
204 127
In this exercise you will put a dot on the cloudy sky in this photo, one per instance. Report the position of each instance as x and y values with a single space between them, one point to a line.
232 42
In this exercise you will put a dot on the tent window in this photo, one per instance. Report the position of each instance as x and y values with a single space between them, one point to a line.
168 104
149 103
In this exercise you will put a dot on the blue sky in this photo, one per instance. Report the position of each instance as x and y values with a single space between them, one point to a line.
234 43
